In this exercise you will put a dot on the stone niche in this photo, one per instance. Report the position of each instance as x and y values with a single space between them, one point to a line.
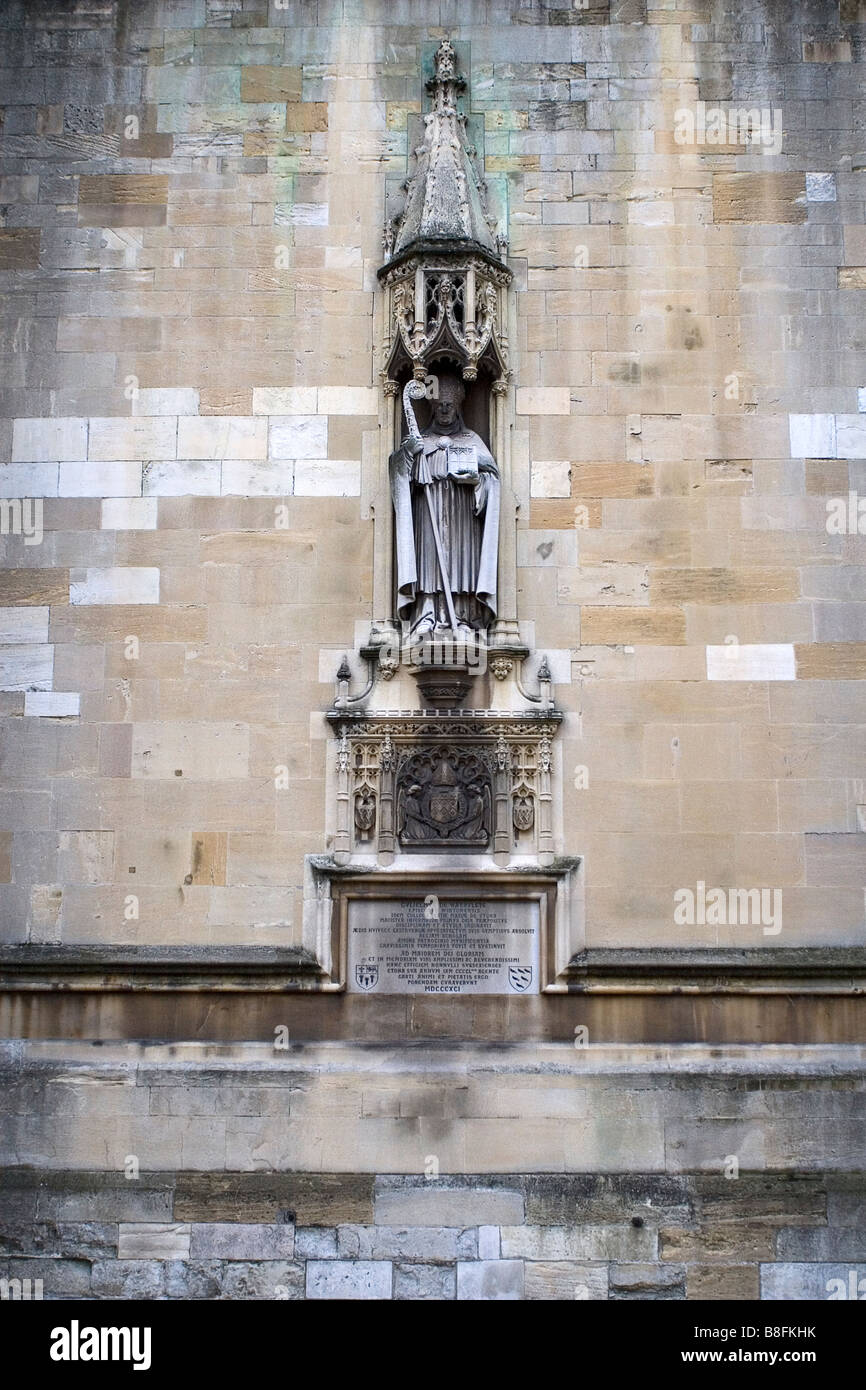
444 567
442 770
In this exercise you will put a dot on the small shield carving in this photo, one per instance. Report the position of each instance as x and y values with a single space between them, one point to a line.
365 811
520 977
444 804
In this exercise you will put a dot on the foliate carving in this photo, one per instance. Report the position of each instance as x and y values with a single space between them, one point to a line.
444 61
483 726
343 754
387 758
444 799
503 756
544 754
388 667
501 667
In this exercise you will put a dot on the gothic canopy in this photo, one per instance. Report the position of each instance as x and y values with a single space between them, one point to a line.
445 264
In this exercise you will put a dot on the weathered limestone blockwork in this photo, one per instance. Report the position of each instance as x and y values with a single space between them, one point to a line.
733 1180
191 207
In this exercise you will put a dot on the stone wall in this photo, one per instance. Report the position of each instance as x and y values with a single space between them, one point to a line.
521 1236
192 198
548 1173
191 205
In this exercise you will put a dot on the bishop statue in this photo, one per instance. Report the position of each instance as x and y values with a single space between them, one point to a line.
445 486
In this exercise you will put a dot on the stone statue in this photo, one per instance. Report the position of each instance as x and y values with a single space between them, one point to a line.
445 486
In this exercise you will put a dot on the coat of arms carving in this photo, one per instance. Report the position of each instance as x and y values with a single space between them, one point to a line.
444 799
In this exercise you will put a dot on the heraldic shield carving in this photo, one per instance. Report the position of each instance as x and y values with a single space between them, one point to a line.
444 799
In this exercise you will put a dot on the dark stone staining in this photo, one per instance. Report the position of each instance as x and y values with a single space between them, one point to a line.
83 120
628 372
567 1199
557 115
19 248
323 1199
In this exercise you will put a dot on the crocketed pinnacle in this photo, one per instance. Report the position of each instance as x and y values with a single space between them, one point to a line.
446 198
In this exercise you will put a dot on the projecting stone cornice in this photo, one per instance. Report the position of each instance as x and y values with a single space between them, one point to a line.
28 967
719 970
835 970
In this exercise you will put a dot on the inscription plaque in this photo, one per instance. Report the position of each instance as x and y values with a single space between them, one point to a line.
451 945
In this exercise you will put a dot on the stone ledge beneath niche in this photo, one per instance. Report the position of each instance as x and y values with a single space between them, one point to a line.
27 967
829 970
719 970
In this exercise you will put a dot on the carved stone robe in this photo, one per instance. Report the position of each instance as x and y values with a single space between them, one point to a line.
467 518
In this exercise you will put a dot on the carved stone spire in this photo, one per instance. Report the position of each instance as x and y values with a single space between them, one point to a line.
446 197
445 271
